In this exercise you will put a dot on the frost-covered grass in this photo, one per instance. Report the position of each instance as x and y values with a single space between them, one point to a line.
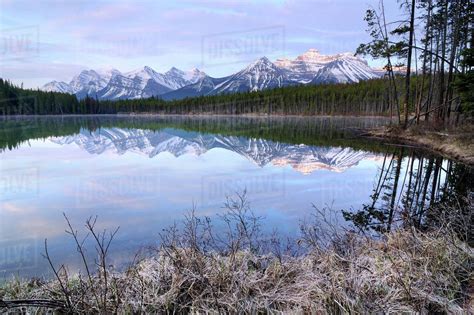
196 270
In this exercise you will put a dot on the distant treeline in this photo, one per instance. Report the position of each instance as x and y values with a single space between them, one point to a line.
437 85
372 97
15 100
363 98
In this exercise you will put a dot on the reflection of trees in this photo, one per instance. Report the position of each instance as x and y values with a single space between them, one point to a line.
310 131
407 188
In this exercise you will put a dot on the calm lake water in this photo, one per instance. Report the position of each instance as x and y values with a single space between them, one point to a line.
144 173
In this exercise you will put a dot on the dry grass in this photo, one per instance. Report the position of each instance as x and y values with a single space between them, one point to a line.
456 143
403 271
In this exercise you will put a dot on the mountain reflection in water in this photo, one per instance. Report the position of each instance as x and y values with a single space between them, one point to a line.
300 157
144 173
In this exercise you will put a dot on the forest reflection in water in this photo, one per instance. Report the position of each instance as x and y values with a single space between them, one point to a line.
150 170
407 187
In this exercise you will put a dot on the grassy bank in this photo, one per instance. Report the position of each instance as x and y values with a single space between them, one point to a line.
239 270
455 143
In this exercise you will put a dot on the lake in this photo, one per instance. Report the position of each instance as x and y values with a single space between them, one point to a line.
143 173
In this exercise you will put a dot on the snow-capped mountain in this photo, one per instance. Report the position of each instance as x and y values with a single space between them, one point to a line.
176 78
304 67
302 158
204 86
89 82
263 74
146 82
346 69
259 75
58 86
313 67
309 68
140 83
113 84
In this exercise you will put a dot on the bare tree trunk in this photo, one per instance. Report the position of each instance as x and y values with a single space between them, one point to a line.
443 55
410 49
426 182
384 31
425 55
454 46
395 190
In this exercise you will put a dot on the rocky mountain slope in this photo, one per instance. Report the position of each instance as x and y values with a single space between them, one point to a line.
308 68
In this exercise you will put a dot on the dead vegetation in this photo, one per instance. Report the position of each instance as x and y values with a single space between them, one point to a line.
241 270
454 142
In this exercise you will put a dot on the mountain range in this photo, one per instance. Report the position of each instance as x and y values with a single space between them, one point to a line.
308 68
302 158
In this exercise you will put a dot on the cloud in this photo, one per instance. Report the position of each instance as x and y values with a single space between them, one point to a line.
162 34
15 209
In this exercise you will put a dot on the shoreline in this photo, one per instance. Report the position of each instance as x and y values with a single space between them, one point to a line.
202 115
184 274
453 144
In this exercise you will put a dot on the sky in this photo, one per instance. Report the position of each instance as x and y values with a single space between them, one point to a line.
47 40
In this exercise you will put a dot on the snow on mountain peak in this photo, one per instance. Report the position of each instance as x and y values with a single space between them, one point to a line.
306 67
310 55
138 72
108 72
303 68
174 70
348 69
262 60
85 75
148 69
260 74
189 77
55 86
283 62
349 55
194 75
261 63
88 82
150 72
